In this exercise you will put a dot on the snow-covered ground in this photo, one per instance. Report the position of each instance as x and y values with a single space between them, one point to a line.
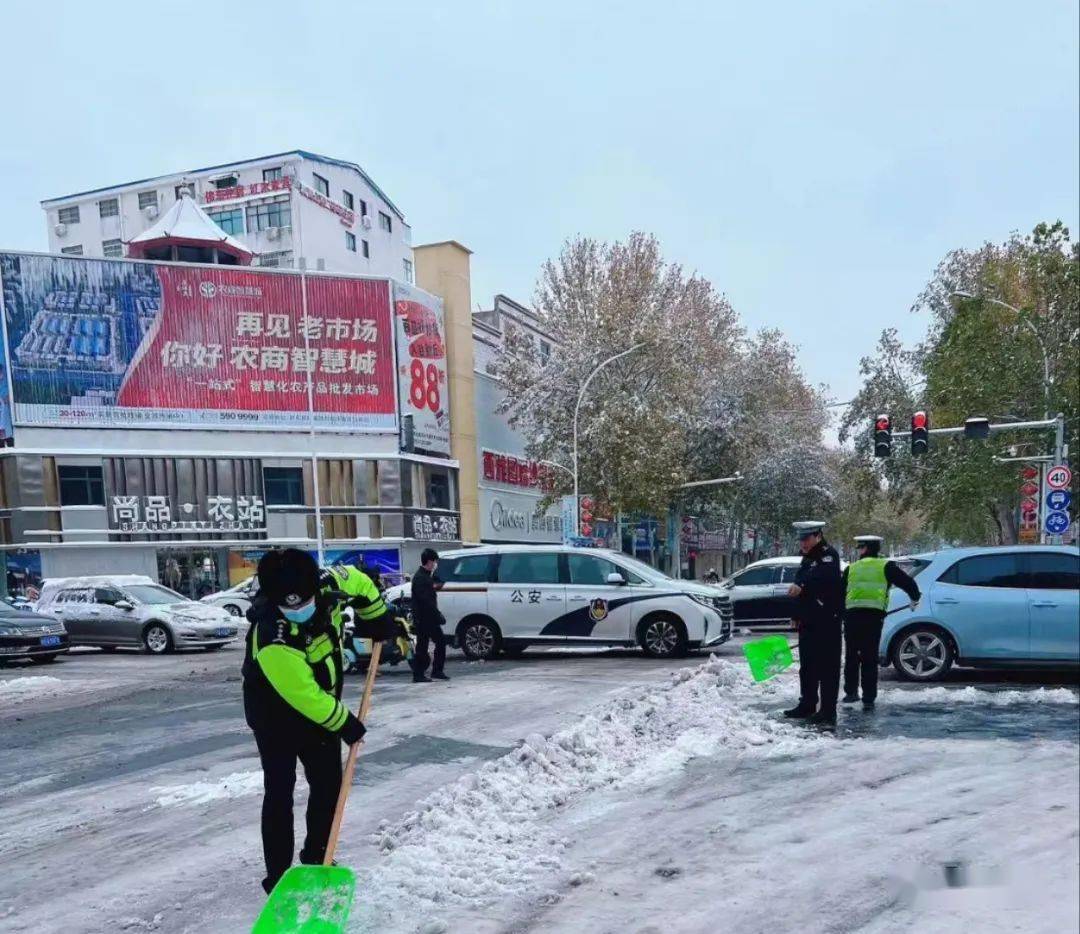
686 807
595 792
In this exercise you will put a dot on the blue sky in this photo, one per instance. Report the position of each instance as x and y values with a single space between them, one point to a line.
814 160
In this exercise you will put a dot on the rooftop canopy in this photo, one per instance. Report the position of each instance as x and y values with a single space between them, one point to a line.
186 233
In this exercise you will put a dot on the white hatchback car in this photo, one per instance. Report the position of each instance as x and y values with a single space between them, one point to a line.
130 610
506 597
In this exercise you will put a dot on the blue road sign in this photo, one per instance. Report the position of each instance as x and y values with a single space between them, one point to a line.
1057 523
1058 500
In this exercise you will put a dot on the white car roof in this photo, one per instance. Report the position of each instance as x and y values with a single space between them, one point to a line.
785 559
90 580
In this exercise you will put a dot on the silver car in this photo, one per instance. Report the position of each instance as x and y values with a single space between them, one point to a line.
132 611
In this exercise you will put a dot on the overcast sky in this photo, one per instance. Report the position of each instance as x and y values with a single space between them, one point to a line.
814 160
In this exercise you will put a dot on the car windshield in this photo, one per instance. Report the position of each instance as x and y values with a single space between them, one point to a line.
153 594
641 567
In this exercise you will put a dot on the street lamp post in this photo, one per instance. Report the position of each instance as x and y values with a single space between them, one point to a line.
1023 316
577 409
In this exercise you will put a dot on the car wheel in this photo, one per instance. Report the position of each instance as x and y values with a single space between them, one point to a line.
42 659
923 654
662 636
157 639
232 609
479 639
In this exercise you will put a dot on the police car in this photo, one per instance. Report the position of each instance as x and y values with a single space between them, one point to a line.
503 598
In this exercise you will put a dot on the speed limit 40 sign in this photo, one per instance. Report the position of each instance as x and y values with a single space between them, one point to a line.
1059 477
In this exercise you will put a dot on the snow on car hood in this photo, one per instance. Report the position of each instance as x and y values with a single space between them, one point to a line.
199 612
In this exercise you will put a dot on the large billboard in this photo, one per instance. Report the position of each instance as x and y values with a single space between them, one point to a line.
110 343
420 327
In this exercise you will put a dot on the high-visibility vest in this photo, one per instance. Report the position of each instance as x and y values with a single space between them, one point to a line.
867 588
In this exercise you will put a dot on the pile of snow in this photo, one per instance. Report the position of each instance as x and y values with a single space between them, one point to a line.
30 686
236 785
486 836
911 698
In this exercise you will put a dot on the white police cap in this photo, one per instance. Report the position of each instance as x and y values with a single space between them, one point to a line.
803 529
868 539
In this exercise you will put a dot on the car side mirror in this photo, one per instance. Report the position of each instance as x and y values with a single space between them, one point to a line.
616 580
124 605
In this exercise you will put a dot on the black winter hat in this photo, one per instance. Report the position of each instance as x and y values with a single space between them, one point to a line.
288 578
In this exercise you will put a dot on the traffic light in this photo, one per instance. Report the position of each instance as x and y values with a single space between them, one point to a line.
882 436
920 433
978 428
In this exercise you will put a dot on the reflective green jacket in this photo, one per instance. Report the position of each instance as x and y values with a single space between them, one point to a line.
867 586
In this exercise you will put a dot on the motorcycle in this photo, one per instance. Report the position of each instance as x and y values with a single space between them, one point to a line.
395 651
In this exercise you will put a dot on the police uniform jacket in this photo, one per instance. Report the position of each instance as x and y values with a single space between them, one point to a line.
822 599
293 671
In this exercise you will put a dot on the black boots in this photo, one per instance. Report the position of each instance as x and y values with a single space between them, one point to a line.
799 712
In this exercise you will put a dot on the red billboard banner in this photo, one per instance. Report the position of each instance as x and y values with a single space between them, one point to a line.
104 343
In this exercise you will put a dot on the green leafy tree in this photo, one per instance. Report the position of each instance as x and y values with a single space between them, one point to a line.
979 359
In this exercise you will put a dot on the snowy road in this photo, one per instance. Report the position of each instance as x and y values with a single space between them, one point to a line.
563 792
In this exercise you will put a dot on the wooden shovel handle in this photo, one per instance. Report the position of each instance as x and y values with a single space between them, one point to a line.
354 751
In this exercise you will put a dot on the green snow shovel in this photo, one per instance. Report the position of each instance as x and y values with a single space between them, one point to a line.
768 656
317 899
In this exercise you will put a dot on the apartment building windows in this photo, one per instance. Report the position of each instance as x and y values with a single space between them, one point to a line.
68 215
110 207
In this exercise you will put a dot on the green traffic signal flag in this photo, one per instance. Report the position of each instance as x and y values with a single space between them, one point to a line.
309 900
768 656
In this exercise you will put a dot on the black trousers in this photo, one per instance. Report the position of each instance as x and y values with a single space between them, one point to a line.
322 769
862 634
819 665
422 657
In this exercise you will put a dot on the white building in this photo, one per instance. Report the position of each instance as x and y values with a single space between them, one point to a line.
512 484
293 209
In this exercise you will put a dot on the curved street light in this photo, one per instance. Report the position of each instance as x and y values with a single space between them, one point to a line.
577 409
1023 316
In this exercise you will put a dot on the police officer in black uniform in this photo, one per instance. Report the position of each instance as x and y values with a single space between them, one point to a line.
292 695
819 606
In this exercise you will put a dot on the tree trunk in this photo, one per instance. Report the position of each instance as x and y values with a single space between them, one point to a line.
1006 520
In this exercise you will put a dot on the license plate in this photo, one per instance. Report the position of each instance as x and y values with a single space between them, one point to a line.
50 640
222 632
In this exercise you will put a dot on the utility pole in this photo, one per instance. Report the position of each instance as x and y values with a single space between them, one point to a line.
577 410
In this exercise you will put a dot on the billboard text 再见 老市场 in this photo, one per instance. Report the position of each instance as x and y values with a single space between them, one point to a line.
112 343
420 332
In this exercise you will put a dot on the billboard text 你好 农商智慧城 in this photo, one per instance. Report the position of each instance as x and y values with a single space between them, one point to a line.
111 343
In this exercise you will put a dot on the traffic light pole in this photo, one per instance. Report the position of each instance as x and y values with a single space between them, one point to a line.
1058 457
1058 423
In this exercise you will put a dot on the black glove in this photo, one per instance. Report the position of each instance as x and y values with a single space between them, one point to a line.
379 629
353 730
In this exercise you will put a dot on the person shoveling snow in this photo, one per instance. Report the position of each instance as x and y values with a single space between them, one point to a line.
292 701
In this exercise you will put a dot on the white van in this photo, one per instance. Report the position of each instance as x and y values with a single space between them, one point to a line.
506 597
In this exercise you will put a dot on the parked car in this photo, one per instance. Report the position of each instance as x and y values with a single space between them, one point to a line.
986 608
130 611
24 634
236 600
507 597
759 592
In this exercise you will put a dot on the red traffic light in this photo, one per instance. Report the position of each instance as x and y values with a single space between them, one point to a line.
918 420
882 436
